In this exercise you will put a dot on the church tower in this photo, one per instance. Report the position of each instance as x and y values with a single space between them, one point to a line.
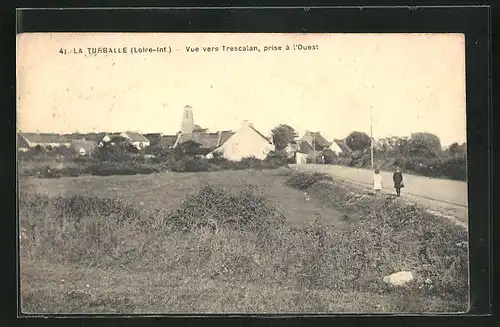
187 125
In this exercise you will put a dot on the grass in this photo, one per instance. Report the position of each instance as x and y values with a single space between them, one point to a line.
120 249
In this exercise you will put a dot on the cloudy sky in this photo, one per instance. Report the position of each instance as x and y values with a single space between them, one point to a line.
410 83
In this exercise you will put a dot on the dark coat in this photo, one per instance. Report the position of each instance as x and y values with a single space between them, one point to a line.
398 179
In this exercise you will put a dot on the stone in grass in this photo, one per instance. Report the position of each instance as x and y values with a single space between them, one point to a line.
399 278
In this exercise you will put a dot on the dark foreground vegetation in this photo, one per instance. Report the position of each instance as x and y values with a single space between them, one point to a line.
224 251
56 163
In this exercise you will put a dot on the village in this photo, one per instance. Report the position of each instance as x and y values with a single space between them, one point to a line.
233 145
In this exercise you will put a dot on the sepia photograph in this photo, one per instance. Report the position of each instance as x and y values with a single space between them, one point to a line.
214 173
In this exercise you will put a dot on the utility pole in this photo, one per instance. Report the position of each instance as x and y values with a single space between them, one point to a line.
314 148
371 136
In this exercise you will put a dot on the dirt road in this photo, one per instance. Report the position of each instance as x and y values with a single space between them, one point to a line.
446 197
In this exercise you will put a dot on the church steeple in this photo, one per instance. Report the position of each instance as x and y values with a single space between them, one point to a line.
187 125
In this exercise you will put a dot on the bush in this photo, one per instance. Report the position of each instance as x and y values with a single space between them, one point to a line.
303 181
212 204
277 158
79 207
191 164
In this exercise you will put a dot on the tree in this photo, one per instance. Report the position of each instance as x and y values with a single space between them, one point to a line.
283 135
189 148
456 149
117 149
358 141
330 156
425 144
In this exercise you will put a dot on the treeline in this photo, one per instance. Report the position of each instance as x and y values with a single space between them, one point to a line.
120 158
421 153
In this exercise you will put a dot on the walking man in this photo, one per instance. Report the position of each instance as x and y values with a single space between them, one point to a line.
398 181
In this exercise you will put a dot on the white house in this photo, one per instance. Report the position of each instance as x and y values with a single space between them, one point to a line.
44 140
247 142
138 140
335 148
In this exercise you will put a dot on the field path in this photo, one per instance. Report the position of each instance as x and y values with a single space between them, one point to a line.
441 196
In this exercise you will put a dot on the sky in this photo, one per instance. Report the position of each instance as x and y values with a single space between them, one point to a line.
407 82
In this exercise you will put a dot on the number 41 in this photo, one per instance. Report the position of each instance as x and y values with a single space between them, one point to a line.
62 51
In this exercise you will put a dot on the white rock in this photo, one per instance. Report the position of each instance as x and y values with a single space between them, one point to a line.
399 278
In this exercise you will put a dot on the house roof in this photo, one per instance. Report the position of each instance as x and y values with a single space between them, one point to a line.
342 145
153 135
335 147
45 138
136 137
262 135
21 142
224 136
112 136
206 140
319 140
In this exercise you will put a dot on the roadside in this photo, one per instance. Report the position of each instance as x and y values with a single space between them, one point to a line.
439 207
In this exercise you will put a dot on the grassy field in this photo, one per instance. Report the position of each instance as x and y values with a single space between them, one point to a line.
135 251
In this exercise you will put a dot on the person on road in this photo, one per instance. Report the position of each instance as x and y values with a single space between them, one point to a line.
397 177
377 181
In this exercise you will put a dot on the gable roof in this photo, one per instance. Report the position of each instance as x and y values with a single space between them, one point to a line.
206 140
319 140
44 138
342 145
224 136
335 147
136 137
260 134
112 136
21 142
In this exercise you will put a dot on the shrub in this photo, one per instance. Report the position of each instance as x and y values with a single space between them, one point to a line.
303 181
212 204
76 229
277 158
189 164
